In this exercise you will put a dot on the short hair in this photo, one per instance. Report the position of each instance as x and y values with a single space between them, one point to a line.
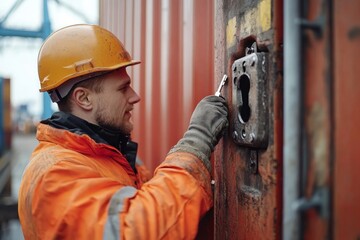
94 84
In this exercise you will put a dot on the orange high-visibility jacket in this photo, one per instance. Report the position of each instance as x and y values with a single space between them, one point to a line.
75 188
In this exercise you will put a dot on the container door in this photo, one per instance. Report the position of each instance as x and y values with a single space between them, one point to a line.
248 176
346 35
331 46
313 206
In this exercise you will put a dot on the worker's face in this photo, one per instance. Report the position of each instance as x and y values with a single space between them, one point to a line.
115 102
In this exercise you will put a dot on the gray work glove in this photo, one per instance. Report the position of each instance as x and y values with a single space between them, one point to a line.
207 125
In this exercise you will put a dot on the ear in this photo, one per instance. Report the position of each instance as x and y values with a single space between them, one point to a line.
82 98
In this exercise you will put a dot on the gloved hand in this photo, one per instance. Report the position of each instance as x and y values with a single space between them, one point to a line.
207 125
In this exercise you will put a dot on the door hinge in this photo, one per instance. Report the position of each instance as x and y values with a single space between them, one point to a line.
319 201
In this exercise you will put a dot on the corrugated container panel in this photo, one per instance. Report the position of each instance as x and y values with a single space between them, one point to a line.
346 131
175 43
316 118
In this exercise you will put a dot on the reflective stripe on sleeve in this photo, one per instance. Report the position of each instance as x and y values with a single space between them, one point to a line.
112 226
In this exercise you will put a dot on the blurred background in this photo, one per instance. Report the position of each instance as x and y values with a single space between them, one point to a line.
18 53
24 24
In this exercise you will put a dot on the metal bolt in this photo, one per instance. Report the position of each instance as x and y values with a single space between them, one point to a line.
252 137
243 134
253 165
235 136
212 184
244 66
253 61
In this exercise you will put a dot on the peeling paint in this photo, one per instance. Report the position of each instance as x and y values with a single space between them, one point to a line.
257 19
265 14
231 32
248 199
249 22
319 141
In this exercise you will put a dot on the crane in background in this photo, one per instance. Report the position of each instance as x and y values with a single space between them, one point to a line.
42 33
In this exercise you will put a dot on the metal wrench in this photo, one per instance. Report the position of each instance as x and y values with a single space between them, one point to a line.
222 83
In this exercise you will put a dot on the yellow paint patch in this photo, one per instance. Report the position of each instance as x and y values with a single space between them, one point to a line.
231 32
265 14
257 19
249 22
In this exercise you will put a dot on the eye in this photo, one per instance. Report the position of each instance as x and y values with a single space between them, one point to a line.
124 88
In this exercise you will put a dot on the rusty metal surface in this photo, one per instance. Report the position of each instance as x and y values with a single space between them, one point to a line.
331 87
248 193
316 119
346 36
174 41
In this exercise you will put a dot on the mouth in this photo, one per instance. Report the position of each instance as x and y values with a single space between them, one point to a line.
128 112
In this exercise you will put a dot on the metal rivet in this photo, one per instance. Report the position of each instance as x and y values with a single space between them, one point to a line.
252 137
244 66
253 61
243 134
253 165
235 135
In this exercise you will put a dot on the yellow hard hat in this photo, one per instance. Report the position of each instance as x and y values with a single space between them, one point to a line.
79 51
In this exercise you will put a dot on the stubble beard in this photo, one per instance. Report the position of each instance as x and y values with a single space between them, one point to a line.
110 124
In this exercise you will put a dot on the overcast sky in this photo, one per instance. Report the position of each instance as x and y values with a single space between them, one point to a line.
18 56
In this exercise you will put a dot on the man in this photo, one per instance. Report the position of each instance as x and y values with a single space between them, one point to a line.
82 181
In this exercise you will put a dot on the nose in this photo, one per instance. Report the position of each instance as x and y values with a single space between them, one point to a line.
134 97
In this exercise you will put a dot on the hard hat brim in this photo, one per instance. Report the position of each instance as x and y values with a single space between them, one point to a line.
91 71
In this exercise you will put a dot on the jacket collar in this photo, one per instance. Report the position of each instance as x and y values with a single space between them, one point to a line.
116 139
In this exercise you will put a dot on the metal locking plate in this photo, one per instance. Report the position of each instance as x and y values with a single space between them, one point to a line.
250 99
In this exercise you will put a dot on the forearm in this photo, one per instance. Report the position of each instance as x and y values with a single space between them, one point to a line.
171 204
